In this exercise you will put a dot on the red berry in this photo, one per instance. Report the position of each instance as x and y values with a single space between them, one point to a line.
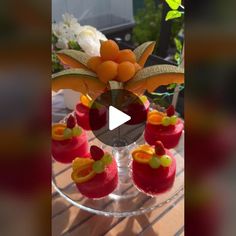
170 110
159 148
96 153
70 123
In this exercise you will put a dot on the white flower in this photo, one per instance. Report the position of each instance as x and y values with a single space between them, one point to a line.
59 29
69 19
62 43
88 39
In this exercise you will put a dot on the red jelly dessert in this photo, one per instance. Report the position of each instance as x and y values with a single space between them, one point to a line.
163 126
95 177
84 110
138 111
68 141
153 169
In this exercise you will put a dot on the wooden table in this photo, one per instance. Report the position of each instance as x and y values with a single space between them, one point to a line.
68 220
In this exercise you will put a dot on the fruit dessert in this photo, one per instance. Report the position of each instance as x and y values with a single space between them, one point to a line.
97 176
138 110
85 109
153 168
68 141
163 126
113 69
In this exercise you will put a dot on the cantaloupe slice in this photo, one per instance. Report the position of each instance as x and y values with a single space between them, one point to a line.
73 58
83 81
143 51
152 77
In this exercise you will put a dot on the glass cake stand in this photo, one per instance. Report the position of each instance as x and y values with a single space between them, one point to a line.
126 200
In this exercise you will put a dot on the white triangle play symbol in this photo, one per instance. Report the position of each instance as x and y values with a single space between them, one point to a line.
116 118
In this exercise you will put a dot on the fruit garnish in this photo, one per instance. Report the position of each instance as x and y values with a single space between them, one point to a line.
126 55
70 122
107 71
93 63
154 162
58 131
67 133
165 121
107 159
143 154
98 166
96 152
85 100
73 58
82 170
155 117
109 50
143 51
159 148
126 71
83 81
76 131
173 120
170 111
165 160
152 77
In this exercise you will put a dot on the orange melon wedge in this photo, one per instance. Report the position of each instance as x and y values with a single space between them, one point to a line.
82 170
152 77
83 81
73 58
143 51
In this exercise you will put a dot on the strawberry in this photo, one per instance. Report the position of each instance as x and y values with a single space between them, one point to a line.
170 110
159 148
96 153
70 123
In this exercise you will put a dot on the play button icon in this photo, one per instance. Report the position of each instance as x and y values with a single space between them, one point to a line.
116 118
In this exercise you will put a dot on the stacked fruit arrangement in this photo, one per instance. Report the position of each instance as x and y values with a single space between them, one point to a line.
114 67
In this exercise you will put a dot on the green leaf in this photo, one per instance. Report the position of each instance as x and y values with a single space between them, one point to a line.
172 15
173 4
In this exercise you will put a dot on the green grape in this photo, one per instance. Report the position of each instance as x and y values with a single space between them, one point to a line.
165 121
173 120
76 131
98 166
67 133
107 159
155 162
166 161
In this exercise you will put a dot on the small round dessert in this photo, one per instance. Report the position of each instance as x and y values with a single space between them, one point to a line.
97 176
166 127
84 110
68 141
138 111
153 169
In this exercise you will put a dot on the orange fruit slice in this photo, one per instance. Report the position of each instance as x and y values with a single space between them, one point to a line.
58 131
85 100
82 170
143 154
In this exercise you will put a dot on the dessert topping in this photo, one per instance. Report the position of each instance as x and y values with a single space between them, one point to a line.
155 158
96 153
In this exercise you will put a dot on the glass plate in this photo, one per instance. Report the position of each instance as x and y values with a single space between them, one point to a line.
126 200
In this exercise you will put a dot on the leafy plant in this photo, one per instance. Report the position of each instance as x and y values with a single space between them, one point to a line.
174 12
148 22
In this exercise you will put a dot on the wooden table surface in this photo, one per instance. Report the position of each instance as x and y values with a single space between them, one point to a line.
68 220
